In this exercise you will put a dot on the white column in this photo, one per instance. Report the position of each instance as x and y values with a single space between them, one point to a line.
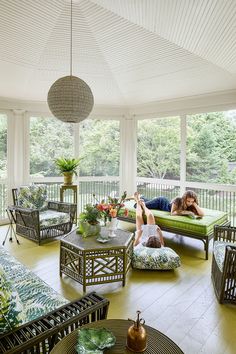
128 157
183 138
76 143
18 148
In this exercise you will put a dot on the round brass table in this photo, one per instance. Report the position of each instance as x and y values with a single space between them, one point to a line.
157 342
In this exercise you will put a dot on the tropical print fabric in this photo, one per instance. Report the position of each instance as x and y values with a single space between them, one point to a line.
52 217
33 197
163 258
11 308
37 297
219 252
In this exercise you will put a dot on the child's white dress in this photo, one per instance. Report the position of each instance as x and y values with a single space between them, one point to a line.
147 231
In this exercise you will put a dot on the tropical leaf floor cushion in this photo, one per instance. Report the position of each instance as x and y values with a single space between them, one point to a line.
24 296
163 258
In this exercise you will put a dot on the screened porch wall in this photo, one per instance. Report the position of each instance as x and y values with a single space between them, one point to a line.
220 197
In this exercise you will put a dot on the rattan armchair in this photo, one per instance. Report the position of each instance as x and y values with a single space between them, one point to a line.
28 221
224 264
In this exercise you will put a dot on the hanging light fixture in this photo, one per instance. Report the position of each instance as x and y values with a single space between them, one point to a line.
70 99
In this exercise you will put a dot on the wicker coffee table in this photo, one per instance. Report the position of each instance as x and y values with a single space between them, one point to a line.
157 342
90 262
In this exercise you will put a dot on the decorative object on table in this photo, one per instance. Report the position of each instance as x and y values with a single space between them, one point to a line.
137 336
103 237
109 209
89 224
68 168
70 99
112 227
110 206
94 340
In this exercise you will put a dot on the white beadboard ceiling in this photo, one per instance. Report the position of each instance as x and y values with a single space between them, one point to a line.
129 51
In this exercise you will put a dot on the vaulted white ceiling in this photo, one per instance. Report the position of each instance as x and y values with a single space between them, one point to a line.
128 51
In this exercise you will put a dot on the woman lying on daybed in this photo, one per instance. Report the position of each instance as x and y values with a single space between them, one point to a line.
185 205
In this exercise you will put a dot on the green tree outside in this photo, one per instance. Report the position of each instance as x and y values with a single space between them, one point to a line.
100 148
158 148
49 139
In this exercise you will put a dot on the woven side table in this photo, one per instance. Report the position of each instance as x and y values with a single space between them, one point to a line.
90 262
157 342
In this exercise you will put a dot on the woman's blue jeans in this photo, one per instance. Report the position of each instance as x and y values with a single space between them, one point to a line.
159 203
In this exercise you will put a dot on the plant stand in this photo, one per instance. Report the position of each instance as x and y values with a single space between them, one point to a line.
74 189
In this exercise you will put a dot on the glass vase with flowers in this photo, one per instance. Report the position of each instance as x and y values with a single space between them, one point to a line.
109 209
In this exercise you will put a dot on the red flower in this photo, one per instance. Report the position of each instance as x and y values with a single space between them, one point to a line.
126 212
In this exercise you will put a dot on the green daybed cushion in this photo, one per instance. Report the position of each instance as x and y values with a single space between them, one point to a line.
184 224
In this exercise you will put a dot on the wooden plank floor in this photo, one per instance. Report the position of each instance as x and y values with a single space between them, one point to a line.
180 303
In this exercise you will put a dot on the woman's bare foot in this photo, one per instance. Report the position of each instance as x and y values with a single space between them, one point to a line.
136 197
142 203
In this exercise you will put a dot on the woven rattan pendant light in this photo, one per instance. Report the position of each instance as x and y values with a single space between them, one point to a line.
70 99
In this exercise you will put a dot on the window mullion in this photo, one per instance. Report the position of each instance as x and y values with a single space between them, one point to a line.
183 139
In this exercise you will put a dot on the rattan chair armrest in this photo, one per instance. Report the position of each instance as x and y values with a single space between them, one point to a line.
61 206
26 210
230 248
42 334
229 261
224 233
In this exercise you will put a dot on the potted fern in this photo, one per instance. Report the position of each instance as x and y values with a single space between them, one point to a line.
89 221
68 168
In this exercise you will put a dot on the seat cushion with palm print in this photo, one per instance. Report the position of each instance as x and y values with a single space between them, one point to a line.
37 297
51 217
12 312
163 258
33 196
219 250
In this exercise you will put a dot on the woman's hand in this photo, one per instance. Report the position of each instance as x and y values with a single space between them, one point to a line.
199 211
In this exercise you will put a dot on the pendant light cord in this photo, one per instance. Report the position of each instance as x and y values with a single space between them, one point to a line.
71 38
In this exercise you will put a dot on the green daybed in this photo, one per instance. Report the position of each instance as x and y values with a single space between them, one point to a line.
201 229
